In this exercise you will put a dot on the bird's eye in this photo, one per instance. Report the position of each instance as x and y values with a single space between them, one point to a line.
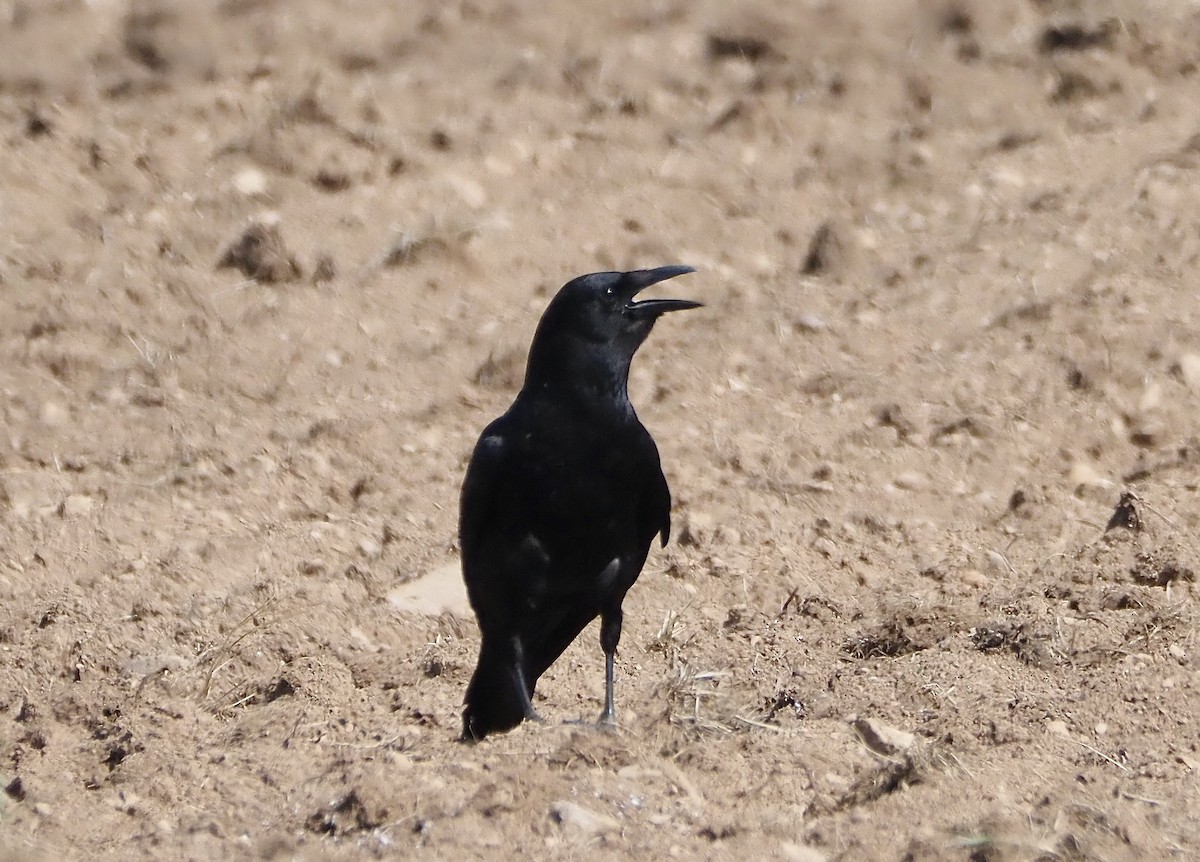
608 291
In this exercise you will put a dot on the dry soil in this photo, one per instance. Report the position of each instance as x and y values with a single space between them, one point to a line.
267 268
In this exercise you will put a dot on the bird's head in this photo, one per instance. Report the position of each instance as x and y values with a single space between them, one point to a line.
596 323
602 307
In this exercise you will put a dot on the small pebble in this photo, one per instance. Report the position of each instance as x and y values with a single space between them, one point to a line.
910 481
250 182
974 578
582 819
1189 367
801 853
54 414
1083 473
77 505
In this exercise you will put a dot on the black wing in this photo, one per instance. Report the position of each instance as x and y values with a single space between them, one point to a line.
478 494
656 497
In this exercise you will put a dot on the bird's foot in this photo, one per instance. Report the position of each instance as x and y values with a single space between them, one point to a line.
605 723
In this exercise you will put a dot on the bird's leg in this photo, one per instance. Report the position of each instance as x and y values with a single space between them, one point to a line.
609 715
610 635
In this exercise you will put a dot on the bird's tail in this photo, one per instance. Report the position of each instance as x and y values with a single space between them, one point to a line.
497 699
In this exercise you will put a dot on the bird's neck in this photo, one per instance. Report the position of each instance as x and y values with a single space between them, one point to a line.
591 374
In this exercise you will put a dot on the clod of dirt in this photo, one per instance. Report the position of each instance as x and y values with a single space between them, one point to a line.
919 94
281 687
501 372
260 254
325 269
957 429
34 739
332 178
592 750
434 593
895 773
910 480
786 702
408 247
824 251
494 798
15 789
892 416
75 506
1025 312
882 738
888 641
807 321
697 529
1153 569
348 814
1014 140
816 607
1146 433
906 629
1083 475
752 48
1189 370
116 754
36 124
582 819
250 182
956 19
142 32
1070 85
1126 514
1014 637
119 748
1075 37
360 487
801 853
717 833
1084 819
312 567
433 667
1120 600
734 111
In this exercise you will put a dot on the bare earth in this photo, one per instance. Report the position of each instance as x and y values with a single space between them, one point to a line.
267 268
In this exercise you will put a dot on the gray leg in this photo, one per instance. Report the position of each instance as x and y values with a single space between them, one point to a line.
610 635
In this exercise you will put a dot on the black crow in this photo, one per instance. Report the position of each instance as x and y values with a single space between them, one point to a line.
563 497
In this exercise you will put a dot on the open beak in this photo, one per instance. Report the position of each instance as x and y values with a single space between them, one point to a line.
632 283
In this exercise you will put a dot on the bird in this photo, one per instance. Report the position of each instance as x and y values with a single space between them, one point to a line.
562 497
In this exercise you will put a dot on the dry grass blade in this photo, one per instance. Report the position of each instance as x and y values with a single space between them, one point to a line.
701 700
221 655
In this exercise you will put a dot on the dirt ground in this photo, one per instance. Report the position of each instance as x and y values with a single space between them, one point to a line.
267 268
